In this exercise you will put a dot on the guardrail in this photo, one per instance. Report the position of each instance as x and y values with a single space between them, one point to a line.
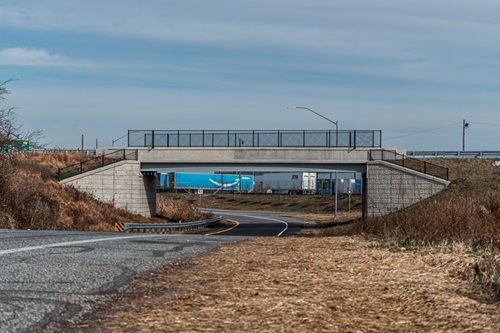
255 138
165 228
410 163
493 154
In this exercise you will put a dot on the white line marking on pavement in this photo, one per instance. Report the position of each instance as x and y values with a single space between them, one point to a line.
269 218
46 246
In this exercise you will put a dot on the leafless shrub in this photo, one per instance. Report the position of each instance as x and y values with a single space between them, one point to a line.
10 129
177 210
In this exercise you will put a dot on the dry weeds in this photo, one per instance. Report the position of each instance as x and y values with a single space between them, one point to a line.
175 210
32 198
334 284
317 204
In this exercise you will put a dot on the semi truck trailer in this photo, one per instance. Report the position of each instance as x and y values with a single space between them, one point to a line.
289 182
172 181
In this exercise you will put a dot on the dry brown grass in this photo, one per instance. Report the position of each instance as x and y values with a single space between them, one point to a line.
335 284
32 198
178 211
454 217
316 204
466 215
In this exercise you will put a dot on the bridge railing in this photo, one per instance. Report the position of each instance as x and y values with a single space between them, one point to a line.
96 162
410 163
255 138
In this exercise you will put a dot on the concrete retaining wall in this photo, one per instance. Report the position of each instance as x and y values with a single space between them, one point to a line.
391 187
121 184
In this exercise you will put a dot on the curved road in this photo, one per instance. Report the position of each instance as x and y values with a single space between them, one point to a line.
50 278
260 224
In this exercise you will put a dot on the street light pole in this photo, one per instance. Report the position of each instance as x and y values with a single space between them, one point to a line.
464 127
336 123
304 108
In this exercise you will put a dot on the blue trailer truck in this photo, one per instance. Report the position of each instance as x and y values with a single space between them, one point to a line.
173 181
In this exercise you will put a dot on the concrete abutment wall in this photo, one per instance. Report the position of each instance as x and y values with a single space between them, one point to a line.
121 184
390 187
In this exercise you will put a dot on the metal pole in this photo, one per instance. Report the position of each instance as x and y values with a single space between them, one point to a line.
336 134
336 200
464 126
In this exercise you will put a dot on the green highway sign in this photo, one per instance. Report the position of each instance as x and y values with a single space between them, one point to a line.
21 144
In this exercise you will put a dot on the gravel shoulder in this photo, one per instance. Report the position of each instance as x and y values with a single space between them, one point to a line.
299 284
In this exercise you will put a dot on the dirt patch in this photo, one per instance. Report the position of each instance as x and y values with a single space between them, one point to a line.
318 204
336 284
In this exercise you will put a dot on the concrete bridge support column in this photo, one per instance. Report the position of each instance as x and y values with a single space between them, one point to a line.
390 187
121 184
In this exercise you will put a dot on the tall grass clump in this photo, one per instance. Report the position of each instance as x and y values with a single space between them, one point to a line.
178 211
459 218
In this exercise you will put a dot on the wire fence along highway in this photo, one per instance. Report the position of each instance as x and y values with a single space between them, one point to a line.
165 228
410 163
96 162
493 154
255 138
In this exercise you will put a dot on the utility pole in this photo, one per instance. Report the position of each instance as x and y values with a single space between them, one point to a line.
464 127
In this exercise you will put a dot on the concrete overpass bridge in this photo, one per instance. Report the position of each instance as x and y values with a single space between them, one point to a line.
391 181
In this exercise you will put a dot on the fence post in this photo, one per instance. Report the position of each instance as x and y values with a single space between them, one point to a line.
355 139
81 166
153 139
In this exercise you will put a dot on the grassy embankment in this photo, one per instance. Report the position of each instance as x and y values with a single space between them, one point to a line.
32 198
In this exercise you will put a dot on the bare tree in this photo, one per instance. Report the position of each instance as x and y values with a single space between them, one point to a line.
10 129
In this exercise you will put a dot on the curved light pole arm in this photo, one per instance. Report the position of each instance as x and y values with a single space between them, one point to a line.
304 108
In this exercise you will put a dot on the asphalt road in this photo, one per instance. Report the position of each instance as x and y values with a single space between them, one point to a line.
51 278
260 224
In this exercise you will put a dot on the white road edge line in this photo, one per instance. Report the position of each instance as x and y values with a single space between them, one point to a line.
236 213
46 246
270 218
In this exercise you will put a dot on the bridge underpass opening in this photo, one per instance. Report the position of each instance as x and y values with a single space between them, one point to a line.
334 182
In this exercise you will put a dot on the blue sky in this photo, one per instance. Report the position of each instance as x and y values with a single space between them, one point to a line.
99 68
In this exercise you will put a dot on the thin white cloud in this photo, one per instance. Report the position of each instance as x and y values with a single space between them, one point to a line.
19 56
